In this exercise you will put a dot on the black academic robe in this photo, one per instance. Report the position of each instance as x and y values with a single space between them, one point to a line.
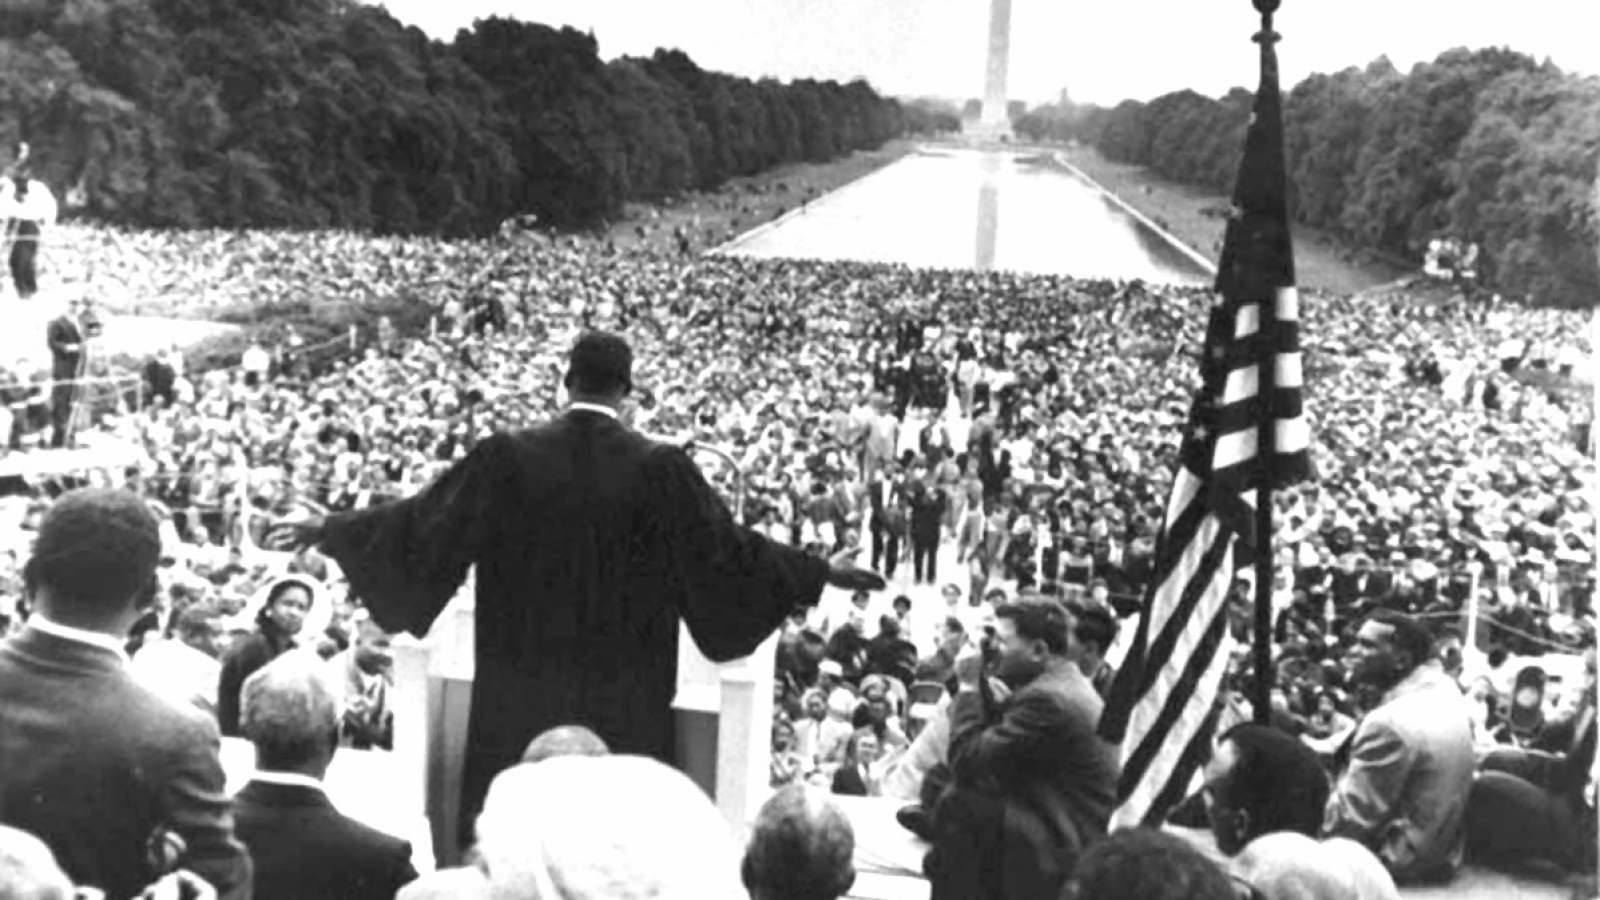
591 543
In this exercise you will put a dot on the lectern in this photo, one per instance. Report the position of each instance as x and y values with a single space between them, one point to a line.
723 712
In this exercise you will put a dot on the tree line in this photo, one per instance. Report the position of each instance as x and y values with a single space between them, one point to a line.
1486 146
332 114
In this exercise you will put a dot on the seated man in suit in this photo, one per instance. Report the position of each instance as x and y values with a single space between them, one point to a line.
364 675
305 849
1403 792
122 784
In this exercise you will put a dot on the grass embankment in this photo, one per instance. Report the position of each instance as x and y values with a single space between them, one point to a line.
1320 262
711 217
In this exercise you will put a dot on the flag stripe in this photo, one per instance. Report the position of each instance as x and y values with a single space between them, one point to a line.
1155 763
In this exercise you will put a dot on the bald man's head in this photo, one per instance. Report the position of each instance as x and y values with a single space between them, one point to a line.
28 870
565 740
801 848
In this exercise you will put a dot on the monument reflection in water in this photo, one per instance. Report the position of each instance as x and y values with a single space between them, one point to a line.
1029 217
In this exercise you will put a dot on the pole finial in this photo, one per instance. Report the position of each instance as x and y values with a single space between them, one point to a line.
1266 8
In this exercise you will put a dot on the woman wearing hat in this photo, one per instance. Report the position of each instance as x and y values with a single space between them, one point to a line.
278 622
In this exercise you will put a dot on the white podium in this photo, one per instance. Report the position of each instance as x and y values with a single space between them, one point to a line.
724 716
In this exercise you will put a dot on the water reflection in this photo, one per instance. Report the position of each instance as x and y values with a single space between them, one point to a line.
988 225
919 212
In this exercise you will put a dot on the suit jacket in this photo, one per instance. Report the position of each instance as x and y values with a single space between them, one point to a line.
890 515
1403 792
849 781
61 332
376 729
591 544
97 766
305 849
1039 753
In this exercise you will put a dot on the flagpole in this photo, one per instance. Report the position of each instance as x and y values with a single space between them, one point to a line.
1266 448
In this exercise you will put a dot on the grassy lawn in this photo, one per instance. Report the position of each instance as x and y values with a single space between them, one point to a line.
743 203
1319 261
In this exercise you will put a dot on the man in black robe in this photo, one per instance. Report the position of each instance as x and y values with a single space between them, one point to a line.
590 541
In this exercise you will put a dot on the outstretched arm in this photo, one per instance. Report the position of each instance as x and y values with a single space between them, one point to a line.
735 586
406 559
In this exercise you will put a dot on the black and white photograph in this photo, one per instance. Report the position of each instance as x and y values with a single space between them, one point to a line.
799 450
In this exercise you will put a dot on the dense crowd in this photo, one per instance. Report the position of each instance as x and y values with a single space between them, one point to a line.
981 435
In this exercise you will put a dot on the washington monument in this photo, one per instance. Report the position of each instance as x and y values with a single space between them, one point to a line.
994 123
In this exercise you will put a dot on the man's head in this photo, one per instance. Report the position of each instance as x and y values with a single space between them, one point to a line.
565 740
1262 780
94 561
1093 632
801 848
600 368
290 712
614 827
952 636
1389 646
200 626
1145 864
28 870
1029 633
371 645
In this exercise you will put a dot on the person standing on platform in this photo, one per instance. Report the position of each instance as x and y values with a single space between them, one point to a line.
65 337
591 542
1033 784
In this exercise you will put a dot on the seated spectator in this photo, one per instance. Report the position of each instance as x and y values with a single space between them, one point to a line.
819 737
1265 795
801 848
565 740
1094 630
184 667
1143 864
604 827
889 653
1033 783
365 675
303 847
861 774
1403 791
941 665
93 763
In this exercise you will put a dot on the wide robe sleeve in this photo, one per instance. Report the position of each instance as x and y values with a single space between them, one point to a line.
735 587
406 559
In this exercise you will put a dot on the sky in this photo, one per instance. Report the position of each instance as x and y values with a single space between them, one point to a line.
1101 52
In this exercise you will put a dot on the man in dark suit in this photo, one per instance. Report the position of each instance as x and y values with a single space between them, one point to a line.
1033 784
886 518
591 543
123 784
304 848
66 352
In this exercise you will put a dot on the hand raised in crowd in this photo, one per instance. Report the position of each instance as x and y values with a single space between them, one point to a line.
843 573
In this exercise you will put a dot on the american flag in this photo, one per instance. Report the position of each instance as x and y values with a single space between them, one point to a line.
1164 707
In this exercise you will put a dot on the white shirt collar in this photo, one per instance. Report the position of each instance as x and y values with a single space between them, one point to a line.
594 408
287 779
79 635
